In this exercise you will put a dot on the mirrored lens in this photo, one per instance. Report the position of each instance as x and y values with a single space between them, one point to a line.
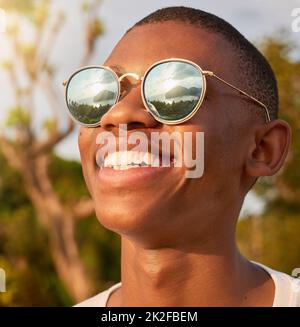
173 89
91 93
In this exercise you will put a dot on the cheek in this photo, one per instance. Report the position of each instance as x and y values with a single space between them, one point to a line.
222 153
85 139
223 166
85 146
82 141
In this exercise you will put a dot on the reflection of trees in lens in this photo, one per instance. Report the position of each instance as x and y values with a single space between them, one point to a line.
174 110
88 114
178 102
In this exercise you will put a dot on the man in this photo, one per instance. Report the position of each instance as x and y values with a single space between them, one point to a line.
178 233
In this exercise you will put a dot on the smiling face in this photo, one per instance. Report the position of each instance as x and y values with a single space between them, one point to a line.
160 206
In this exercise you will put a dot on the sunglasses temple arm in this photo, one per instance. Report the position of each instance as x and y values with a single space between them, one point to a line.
208 73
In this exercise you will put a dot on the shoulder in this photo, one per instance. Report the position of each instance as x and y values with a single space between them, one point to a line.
287 288
100 299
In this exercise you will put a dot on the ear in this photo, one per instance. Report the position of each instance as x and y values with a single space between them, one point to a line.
269 149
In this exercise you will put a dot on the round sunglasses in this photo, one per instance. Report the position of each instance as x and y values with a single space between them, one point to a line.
172 91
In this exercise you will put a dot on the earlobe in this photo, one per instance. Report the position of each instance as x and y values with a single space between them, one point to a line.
269 149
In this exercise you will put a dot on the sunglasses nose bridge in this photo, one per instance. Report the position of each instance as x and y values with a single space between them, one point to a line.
135 76
125 112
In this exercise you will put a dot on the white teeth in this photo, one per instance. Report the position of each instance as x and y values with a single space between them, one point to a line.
149 158
123 157
126 160
146 158
129 159
140 157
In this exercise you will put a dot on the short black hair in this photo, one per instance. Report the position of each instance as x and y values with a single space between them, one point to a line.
256 74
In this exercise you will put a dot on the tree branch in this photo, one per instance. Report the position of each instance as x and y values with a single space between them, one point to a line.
51 40
10 153
52 140
90 37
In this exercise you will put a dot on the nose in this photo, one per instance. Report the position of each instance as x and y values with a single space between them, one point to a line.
129 110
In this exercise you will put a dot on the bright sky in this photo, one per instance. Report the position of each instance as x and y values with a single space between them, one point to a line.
163 77
95 80
254 19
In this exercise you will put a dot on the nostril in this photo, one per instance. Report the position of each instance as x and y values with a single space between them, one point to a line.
135 125
109 127
130 126
130 111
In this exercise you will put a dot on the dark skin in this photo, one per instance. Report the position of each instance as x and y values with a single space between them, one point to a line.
178 241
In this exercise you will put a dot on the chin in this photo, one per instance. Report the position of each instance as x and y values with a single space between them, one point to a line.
137 209
125 218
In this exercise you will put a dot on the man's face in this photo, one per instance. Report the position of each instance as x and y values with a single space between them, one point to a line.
160 206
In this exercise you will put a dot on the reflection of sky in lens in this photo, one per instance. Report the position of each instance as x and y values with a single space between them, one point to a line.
166 76
88 83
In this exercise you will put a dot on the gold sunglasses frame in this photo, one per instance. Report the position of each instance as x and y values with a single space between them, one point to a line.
204 73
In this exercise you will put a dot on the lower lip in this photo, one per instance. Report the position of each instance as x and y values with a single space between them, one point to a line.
131 176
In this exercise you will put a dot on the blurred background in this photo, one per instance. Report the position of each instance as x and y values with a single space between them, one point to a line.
52 248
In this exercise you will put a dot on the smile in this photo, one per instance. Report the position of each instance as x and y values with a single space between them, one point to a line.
123 160
127 152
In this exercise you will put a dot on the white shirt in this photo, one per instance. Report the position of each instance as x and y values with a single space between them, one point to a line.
287 291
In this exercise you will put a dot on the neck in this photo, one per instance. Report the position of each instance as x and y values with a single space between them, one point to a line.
211 274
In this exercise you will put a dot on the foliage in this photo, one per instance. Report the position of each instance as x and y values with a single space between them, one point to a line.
52 207
18 117
24 251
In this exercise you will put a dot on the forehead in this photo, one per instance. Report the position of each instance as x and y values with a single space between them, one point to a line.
144 45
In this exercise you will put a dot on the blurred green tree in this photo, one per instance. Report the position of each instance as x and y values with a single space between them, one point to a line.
28 152
32 279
